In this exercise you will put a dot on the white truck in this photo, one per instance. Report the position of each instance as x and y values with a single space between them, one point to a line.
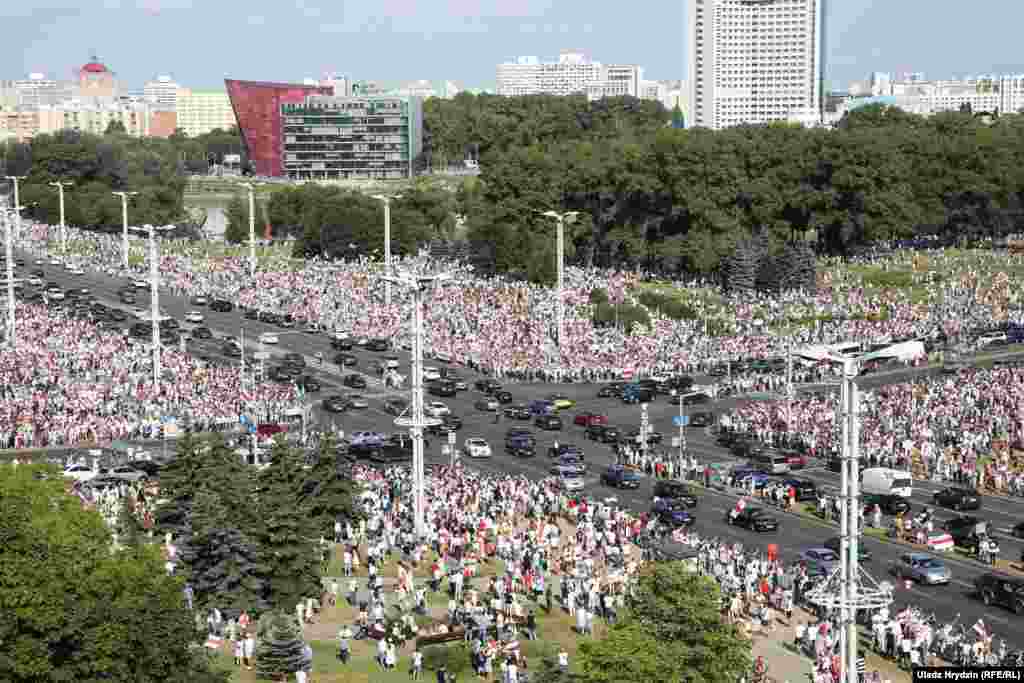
883 481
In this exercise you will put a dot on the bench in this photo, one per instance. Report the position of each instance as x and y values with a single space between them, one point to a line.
453 635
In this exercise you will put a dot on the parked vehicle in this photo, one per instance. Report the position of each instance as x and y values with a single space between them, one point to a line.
887 481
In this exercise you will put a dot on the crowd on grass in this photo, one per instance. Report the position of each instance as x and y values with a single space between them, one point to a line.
964 427
68 382
507 327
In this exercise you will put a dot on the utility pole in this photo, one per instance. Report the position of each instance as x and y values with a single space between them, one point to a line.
682 428
154 288
124 224
60 185
8 249
386 199
420 284
561 218
252 228
789 391
17 198
645 426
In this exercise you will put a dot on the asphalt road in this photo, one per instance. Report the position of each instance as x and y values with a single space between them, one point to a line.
795 533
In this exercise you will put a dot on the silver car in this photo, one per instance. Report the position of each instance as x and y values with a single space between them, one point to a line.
921 568
570 483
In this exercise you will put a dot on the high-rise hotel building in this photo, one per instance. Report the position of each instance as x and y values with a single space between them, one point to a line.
755 61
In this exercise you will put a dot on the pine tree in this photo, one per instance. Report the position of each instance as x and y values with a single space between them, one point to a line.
179 481
279 650
129 531
327 493
740 273
237 215
223 472
287 534
805 268
222 563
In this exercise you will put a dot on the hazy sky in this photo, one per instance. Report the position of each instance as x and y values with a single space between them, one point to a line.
199 42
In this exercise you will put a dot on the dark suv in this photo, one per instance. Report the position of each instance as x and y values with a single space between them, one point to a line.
958 498
676 490
965 531
1000 589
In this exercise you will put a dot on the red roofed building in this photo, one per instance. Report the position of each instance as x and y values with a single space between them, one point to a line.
257 106
96 80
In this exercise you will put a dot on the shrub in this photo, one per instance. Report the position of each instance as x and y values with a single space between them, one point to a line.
889 279
598 296
455 658
667 306
625 314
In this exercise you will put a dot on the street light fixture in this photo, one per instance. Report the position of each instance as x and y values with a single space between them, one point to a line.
387 242
60 185
417 421
124 223
252 228
562 218
154 287
8 249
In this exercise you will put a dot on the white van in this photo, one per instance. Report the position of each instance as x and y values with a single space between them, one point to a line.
883 481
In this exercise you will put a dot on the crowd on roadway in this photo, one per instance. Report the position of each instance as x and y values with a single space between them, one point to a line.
507 327
962 427
68 382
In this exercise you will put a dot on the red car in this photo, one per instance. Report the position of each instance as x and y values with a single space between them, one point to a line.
589 419
797 461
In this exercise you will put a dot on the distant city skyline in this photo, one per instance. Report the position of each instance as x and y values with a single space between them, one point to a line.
398 41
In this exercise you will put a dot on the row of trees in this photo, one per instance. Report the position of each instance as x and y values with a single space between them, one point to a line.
250 541
682 201
97 165
336 222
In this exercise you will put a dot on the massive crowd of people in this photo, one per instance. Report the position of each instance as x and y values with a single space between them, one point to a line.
507 328
67 382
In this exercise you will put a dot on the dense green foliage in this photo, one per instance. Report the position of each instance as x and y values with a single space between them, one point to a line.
335 222
279 650
248 541
682 200
97 165
76 610
671 630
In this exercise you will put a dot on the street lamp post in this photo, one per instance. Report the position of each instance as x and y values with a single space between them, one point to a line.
561 218
60 185
386 199
154 288
124 224
8 249
252 228
14 179
417 421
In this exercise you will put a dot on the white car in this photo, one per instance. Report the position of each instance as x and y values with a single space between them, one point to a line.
140 284
340 335
477 448
55 294
38 262
79 472
194 317
75 270
35 281
200 300
268 338
430 374
436 409
570 483
55 262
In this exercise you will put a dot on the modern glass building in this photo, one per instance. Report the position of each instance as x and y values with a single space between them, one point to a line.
359 137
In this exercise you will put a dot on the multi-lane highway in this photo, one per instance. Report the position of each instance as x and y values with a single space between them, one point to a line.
795 534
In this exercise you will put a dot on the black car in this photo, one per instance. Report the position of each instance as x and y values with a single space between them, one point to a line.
379 345
521 450
345 360
221 306
168 337
502 396
279 374
442 388
890 504
335 404
169 324
249 314
804 490
965 531
202 333
675 490
702 419
610 391
232 350
835 544
548 422
566 449
1000 589
309 384
694 399
354 381
603 433
514 432
341 344
448 424
754 519
519 411
958 498
297 359
395 406
488 386
633 436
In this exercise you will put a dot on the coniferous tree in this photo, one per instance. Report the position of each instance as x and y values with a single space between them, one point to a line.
279 647
222 563
740 273
224 473
179 481
237 214
327 492
287 535
129 530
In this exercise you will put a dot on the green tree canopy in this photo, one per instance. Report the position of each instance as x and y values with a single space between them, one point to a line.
76 610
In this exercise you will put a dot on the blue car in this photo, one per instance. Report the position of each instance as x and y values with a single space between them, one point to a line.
366 439
742 474
673 513
569 465
542 408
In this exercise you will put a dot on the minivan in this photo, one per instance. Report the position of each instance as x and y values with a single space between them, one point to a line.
886 481
770 461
